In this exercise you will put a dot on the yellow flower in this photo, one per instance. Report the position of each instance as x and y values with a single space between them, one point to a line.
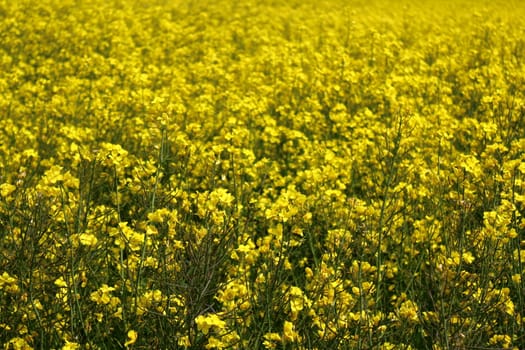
70 346
102 295
289 333
60 282
271 340
220 196
471 165
18 344
88 239
409 311
184 341
297 301
501 339
214 343
132 338
6 190
468 257
113 155
158 216
148 301
204 323
5 278
133 238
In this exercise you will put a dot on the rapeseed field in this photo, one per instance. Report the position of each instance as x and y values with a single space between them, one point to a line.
241 174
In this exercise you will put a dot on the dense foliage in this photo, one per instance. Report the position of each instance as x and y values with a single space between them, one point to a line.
262 174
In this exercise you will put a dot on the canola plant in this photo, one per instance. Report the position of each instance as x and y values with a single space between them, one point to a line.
271 174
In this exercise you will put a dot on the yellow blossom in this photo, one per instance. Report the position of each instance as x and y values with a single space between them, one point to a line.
88 239
132 338
271 340
70 346
18 344
210 321
409 311
6 189
289 333
102 295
